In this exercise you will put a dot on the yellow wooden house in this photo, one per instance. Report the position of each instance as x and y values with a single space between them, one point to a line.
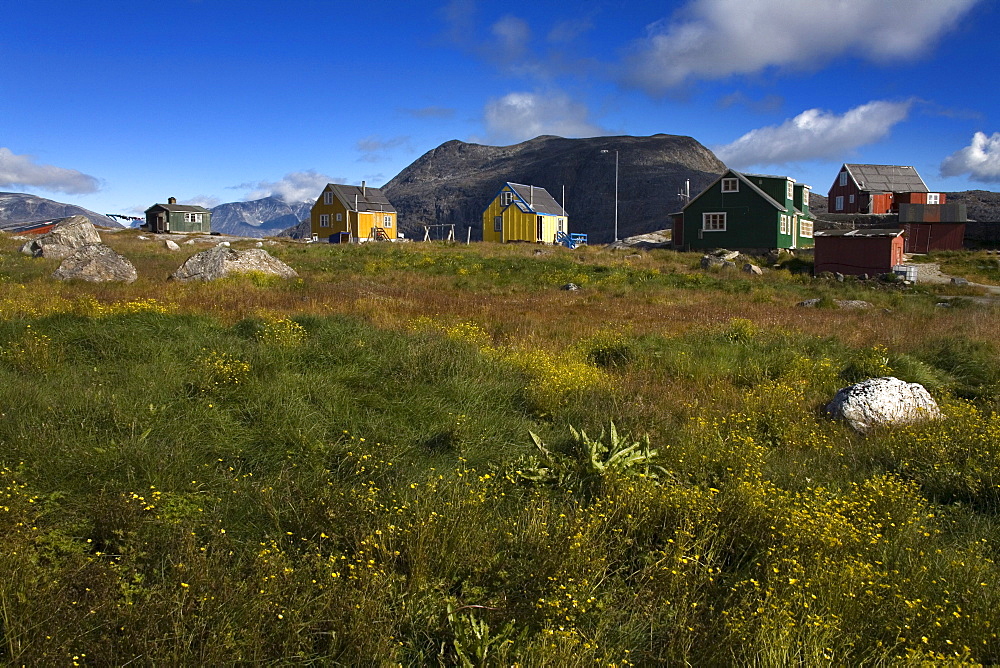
524 213
353 214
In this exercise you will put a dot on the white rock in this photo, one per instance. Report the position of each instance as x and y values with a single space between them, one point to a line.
883 402
171 244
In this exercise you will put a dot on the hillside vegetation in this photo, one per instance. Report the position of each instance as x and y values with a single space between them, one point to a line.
425 454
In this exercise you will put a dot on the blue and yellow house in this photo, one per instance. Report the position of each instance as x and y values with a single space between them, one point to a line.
353 214
524 213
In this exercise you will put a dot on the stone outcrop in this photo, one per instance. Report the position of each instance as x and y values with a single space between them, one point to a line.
223 261
883 402
96 263
68 235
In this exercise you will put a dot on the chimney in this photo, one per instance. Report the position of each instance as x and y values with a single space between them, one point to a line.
364 190
171 200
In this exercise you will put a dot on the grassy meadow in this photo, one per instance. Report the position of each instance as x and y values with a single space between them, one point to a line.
430 454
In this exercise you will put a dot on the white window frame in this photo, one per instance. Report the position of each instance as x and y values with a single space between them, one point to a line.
386 221
192 217
838 203
561 224
806 228
730 185
498 223
340 217
850 198
843 178
328 197
324 220
933 198
790 189
506 197
713 221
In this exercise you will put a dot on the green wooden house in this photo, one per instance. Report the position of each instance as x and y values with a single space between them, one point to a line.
174 217
746 212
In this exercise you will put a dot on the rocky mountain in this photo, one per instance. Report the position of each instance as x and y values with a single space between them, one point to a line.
18 208
454 182
980 205
258 218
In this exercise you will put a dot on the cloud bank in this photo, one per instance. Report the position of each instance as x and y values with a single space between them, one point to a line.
294 188
22 171
814 134
713 39
519 116
980 159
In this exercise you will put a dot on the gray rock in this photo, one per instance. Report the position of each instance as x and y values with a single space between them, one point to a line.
724 254
259 244
68 235
753 269
96 263
883 402
839 276
958 280
710 261
839 303
172 245
222 261
571 286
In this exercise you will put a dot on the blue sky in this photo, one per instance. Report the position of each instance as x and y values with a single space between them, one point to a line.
115 106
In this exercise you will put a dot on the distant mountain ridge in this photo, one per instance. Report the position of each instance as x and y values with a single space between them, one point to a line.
454 182
258 218
18 208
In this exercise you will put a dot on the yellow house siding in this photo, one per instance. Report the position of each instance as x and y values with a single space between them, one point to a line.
516 224
359 224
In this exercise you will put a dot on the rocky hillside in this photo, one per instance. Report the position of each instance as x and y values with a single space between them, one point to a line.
24 208
454 182
981 205
258 218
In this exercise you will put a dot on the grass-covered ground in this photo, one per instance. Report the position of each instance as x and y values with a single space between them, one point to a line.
426 454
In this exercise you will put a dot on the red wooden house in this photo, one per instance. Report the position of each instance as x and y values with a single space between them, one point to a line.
932 227
878 189
864 251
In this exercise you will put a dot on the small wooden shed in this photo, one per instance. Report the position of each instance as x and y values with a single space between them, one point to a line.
864 251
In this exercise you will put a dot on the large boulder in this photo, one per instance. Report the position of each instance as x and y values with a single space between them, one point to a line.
96 263
883 402
67 235
223 261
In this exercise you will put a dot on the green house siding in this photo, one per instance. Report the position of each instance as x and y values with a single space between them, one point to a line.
752 219
178 223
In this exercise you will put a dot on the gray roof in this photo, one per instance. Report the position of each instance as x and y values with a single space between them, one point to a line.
367 198
185 208
887 178
862 232
538 199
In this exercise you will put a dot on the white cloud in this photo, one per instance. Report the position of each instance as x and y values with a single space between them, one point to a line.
713 39
206 201
295 187
980 159
519 116
374 149
22 170
814 134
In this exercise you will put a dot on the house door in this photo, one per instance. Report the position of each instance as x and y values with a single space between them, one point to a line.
538 232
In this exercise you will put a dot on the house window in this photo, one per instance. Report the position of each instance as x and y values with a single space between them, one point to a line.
561 224
843 178
784 224
730 185
789 189
324 220
340 217
327 198
192 217
805 198
806 229
386 221
498 223
838 203
850 198
713 222
933 198
506 197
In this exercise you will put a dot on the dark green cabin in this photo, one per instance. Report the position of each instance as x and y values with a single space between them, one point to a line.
746 212
174 217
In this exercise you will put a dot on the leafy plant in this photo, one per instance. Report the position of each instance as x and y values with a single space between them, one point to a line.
589 461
